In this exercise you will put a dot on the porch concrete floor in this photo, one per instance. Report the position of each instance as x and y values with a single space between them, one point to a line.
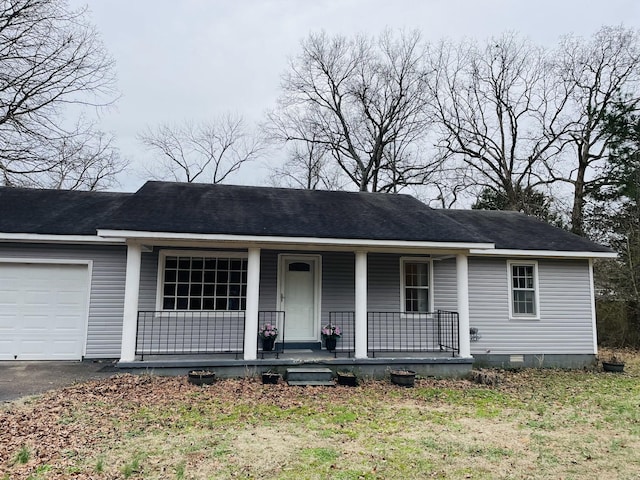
435 364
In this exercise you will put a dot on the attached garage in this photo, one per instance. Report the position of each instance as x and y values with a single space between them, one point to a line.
43 310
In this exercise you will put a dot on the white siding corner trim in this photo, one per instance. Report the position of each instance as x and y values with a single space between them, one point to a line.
594 327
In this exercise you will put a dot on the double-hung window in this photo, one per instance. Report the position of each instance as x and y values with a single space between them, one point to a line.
202 282
523 289
416 285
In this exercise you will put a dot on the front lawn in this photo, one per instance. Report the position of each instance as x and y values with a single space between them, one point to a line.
534 424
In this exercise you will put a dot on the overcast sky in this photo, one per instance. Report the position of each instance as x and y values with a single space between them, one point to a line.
194 59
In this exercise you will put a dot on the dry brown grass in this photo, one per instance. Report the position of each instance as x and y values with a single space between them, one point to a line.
534 424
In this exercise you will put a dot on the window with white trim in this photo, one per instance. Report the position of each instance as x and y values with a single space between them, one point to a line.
204 283
523 289
415 285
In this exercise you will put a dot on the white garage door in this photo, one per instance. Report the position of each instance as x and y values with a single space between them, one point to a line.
43 311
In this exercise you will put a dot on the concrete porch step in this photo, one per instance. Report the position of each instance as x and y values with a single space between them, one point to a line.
311 383
309 376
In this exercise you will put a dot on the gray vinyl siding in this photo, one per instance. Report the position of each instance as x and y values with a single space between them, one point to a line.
106 298
338 284
268 280
565 323
383 292
148 281
445 285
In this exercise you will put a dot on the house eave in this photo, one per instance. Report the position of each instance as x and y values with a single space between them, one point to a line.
503 252
64 239
269 240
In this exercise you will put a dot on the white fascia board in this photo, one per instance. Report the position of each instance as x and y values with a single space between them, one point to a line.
267 239
47 238
540 253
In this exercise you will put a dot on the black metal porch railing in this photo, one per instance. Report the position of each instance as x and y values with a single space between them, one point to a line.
275 318
347 341
190 332
400 331
413 332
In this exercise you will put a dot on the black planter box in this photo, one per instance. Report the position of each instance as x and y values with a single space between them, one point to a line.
201 377
348 379
404 378
270 378
613 367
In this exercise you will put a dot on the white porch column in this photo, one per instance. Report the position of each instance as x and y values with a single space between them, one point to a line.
251 312
131 292
361 305
462 274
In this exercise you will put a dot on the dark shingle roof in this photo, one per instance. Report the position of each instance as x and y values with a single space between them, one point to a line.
243 210
55 212
514 230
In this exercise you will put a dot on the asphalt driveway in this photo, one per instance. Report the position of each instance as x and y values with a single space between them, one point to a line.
23 378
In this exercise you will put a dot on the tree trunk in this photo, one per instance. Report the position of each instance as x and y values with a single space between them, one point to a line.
577 212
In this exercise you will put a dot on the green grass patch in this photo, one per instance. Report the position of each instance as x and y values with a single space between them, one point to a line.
23 455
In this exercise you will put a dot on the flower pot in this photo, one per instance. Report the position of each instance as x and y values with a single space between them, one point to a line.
268 343
347 378
201 377
330 343
613 367
270 378
404 378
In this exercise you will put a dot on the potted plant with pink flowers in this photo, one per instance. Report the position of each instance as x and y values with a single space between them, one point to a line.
330 335
268 333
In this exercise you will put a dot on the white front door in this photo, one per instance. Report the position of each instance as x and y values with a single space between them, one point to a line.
298 297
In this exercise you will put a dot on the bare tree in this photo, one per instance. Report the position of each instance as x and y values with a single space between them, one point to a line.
202 152
50 59
85 159
498 110
362 100
308 167
599 73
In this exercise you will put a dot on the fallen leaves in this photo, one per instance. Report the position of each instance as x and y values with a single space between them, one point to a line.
65 432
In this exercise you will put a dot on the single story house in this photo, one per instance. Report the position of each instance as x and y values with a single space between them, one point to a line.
177 271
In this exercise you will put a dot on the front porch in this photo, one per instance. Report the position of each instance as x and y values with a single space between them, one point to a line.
228 366
175 342
223 333
210 307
